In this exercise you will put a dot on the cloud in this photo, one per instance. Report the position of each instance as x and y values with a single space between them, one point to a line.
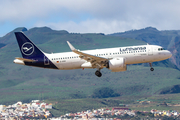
93 26
84 16
26 9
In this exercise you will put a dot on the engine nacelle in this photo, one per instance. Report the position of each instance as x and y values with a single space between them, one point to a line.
117 65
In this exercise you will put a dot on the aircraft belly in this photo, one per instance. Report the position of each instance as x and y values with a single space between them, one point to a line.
133 60
77 65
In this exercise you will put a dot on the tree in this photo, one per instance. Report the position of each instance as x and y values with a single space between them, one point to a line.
104 92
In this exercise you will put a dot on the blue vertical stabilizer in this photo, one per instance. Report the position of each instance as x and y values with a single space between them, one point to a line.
32 55
28 48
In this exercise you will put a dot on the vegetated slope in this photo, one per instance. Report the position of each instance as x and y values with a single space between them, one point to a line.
26 83
170 89
63 106
169 39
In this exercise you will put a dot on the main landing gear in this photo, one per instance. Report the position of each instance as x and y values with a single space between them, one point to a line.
98 73
152 69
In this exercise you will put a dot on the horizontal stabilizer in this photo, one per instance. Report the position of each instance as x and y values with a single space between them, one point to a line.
26 60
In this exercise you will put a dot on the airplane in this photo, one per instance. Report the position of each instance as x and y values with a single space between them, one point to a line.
114 59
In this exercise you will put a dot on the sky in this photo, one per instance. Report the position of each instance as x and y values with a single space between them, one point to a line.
89 16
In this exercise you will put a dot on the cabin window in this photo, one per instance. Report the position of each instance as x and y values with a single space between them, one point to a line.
160 49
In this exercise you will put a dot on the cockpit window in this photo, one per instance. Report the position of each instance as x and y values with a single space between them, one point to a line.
160 49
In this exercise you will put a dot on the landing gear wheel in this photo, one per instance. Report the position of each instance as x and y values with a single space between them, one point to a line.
152 69
98 73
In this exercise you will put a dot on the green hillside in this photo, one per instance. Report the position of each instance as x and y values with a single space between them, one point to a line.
169 39
22 83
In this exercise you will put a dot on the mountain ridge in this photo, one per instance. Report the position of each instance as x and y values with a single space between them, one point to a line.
169 39
24 83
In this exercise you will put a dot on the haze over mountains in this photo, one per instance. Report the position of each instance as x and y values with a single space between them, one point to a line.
26 83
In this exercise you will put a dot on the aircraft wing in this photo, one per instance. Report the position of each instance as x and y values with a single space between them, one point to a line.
95 60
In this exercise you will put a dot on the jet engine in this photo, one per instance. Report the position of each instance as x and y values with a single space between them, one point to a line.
116 65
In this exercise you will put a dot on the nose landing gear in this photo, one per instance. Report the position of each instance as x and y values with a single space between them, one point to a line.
152 69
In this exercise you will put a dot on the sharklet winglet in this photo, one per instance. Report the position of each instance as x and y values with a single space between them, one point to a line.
71 47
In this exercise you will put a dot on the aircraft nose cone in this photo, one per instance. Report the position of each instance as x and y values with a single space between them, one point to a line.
169 54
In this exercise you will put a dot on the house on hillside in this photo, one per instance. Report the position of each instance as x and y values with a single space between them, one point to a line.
119 108
46 105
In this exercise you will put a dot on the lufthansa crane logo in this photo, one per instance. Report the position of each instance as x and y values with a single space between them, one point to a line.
27 48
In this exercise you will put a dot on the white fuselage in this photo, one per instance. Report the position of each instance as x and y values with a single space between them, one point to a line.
131 54
115 59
